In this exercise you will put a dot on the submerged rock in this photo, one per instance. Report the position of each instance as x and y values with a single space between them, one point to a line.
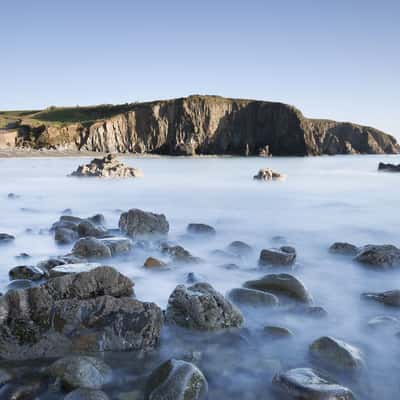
239 248
390 297
201 307
285 255
107 167
86 394
381 256
277 332
6 238
307 384
346 249
252 297
383 322
388 167
137 223
80 372
282 284
176 380
201 229
336 353
266 174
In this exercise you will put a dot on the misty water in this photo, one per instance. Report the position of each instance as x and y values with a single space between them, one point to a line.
323 200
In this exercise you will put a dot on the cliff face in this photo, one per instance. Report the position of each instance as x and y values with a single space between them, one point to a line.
212 125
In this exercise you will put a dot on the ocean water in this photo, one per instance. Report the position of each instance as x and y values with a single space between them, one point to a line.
323 200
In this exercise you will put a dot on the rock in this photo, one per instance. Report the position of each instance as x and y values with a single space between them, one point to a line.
66 211
251 297
6 238
282 284
152 262
118 245
107 167
88 311
201 229
346 249
66 269
80 372
65 236
22 256
177 380
390 298
18 284
179 254
50 263
86 394
309 311
91 248
381 256
388 167
277 332
239 248
25 391
229 266
201 307
307 384
384 322
191 278
266 174
13 196
137 223
27 272
285 255
5 376
336 353
88 228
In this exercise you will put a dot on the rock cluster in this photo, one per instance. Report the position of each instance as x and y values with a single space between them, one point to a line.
389 167
266 174
106 167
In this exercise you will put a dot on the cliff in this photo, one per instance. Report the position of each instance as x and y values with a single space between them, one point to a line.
198 125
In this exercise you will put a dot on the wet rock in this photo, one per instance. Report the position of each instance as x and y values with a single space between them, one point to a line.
50 263
22 256
66 211
88 228
282 284
18 284
107 167
93 226
252 297
307 384
6 238
65 236
239 248
118 246
388 167
27 272
201 229
178 380
66 269
309 311
277 332
336 353
285 255
390 297
152 262
80 372
138 223
346 249
382 256
201 307
179 254
90 247
86 394
266 174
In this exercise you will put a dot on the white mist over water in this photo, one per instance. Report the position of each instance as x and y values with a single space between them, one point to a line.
323 200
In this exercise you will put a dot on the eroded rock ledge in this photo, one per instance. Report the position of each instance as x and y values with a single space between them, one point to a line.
206 125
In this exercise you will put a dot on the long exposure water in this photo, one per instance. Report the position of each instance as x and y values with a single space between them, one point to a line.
323 200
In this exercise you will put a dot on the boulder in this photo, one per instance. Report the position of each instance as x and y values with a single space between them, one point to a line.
80 372
201 307
336 353
27 272
65 235
388 167
307 384
137 223
266 174
201 229
18 284
252 297
346 249
68 228
284 256
86 394
382 322
6 238
380 256
177 380
66 269
91 247
152 262
118 245
277 332
282 284
88 228
179 254
390 297
50 263
239 248
106 167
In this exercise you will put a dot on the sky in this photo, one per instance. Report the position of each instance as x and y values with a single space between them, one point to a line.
331 59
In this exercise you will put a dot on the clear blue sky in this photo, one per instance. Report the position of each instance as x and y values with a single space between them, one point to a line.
333 59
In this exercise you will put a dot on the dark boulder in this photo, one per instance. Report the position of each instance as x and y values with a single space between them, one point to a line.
137 223
252 297
379 256
239 248
27 272
6 238
65 235
346 249
284 256
390 298
388 167
91 247
201 229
